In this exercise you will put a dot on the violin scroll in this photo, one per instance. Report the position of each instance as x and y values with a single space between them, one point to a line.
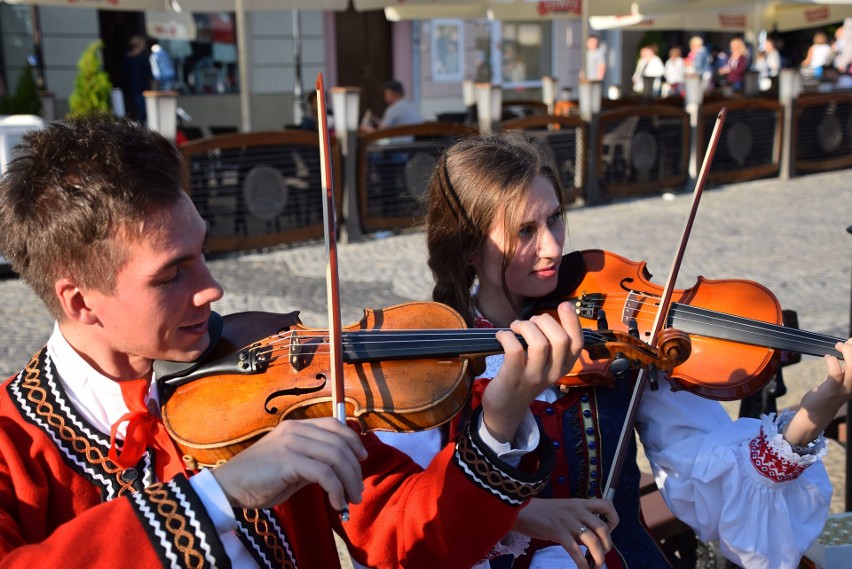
621 351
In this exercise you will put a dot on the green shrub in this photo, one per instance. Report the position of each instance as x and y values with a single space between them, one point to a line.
92 86
25 100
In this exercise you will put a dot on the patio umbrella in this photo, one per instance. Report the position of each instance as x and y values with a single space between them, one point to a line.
788 16
533 9
781 16
129 5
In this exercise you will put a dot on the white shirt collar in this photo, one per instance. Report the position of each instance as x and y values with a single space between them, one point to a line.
96 397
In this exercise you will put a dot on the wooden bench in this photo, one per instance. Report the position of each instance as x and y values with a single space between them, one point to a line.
659 519
676 539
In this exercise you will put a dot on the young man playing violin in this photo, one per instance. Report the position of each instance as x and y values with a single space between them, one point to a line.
495 237
96 223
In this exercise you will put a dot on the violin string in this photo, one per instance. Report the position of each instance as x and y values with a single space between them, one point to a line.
723 321
390 342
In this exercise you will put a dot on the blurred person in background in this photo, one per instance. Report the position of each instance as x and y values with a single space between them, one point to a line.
697 61
818 57
738 63
595 68
649 65
675 73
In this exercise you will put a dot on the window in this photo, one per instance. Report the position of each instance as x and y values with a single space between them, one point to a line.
447 42
526 53
202 53
485 55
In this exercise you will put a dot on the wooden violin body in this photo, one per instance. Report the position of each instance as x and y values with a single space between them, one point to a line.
734 325
214 416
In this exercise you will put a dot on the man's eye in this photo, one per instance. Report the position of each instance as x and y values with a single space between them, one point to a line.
172 278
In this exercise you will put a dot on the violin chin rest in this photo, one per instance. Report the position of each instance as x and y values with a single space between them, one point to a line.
165 370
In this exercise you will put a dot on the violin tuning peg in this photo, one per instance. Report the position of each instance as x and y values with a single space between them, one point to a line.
633 328
620 366
653 377
601 318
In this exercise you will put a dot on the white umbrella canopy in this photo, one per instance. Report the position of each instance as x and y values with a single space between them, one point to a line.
777 16
129 5
257 5
789 16
192 5
532 9
493 9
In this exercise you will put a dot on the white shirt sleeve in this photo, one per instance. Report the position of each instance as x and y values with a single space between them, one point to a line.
737 481
422 446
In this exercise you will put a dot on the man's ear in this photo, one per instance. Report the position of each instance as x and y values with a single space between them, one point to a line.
73 302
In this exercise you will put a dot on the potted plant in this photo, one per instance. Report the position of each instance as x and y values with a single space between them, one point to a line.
25 100
92 86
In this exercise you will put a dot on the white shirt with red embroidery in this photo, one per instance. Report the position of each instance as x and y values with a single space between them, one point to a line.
736 481
733 481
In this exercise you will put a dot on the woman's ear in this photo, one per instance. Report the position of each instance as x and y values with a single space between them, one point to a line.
475 259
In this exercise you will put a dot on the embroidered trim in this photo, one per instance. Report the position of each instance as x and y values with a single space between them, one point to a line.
264 539
178 525
591 444
775 427
774 458
41 401
486 470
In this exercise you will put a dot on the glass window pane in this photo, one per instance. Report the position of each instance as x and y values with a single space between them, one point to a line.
483 59
527 52
205 64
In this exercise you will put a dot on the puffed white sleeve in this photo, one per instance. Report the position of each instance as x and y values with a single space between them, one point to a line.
736 481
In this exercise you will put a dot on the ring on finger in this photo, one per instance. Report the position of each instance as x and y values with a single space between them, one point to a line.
581 531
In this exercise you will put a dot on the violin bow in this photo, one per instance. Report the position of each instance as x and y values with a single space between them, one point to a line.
332 281
663 311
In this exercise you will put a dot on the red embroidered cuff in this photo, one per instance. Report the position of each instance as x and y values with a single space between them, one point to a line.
767 461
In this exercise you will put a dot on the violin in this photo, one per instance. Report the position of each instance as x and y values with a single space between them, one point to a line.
735 325
407 368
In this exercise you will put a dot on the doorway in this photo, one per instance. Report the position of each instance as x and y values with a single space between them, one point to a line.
116 29
364 55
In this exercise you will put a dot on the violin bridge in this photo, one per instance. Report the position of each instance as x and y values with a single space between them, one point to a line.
298 355
631 308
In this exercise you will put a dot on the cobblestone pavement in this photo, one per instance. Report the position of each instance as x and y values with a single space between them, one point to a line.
788 235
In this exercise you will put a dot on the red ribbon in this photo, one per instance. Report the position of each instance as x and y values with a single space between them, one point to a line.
144 430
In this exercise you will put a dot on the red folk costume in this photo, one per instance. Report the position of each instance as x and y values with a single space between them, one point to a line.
65 503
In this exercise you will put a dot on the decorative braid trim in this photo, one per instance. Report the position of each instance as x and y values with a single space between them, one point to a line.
774 458
264 538
42 402
178 526
487 471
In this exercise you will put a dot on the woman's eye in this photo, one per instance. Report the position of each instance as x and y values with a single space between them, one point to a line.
526 231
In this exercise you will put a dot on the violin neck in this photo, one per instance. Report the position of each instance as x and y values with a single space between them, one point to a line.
722 326
364 346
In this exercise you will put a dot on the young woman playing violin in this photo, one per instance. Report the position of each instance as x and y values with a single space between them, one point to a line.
495 234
